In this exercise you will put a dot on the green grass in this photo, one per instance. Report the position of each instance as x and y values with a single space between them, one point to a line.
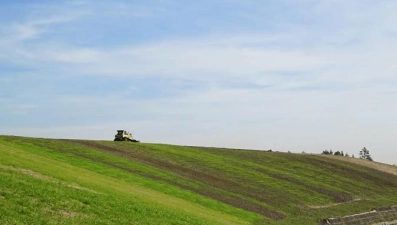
48 181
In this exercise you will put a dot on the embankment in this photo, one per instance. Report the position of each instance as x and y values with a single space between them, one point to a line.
381 216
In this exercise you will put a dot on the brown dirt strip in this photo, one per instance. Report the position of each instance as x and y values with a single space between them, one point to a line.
355 173
218 188
339 197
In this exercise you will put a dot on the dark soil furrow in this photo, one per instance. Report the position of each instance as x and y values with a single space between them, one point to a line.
209 184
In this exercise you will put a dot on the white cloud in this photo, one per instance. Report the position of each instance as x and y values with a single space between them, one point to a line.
308 88
251 56
18 32
211 60
182 59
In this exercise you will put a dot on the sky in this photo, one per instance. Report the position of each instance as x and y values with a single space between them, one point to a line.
286 75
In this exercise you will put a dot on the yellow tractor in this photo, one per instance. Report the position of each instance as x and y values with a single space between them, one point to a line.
123 135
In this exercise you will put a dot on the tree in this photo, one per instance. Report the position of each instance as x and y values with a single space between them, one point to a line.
325 152
364 154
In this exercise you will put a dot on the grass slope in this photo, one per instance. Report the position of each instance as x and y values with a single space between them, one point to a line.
47 181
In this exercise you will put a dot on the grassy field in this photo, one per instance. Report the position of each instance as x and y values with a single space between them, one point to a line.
48 181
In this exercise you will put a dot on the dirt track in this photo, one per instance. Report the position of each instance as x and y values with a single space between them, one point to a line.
375 165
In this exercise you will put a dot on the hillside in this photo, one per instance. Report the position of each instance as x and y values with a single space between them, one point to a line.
375 165
48 181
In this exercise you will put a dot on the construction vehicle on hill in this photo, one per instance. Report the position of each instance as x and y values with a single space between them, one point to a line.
123 135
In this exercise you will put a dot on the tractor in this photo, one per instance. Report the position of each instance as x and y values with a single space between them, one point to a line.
123 135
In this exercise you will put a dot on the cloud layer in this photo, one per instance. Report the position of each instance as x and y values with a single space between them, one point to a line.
301 75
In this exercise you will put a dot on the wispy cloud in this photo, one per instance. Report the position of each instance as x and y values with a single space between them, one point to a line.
293 75
31 29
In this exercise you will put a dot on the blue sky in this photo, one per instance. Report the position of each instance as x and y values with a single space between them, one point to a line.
287 75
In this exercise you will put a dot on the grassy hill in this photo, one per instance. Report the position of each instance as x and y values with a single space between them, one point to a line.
48 181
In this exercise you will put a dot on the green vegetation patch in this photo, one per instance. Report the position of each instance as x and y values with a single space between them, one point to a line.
100 182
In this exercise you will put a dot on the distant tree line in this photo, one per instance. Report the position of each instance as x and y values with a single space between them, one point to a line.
330 152
364 154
